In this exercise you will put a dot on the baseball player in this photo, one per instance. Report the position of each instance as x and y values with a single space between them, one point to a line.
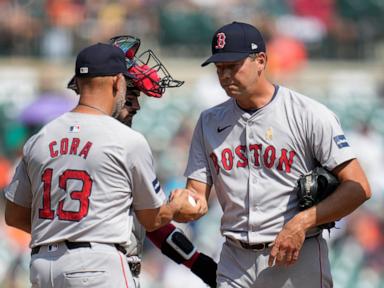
169 239
253 148
152 78
80 177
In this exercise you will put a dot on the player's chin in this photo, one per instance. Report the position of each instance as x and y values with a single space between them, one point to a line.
232 93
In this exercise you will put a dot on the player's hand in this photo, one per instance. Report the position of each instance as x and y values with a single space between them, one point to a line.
192 207
287 245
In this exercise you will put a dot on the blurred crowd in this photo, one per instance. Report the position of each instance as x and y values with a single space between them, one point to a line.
331 50
58 28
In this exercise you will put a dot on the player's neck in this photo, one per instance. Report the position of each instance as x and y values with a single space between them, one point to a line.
90 109
96 97
95 102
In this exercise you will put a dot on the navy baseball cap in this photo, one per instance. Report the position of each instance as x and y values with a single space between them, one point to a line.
100 60
234 42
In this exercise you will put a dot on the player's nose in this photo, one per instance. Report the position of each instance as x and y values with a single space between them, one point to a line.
225 74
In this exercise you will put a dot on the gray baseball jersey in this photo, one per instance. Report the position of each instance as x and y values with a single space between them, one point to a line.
136 243
81 174
254 159
135 249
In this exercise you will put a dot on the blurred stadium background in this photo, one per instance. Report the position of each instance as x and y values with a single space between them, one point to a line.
331 50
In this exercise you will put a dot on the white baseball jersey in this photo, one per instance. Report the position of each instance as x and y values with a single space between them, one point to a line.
254 159
81 174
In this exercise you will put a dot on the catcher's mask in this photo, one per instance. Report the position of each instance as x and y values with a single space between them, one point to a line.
149 75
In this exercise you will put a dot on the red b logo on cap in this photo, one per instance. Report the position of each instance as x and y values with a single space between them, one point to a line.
220 40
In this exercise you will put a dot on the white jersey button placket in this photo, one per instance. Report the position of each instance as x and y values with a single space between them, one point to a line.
252 205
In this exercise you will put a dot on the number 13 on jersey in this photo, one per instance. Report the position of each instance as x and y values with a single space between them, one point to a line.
82 196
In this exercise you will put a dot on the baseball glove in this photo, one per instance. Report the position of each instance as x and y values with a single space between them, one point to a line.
314 187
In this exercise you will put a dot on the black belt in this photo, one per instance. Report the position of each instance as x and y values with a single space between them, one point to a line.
75 245
258 246
121 248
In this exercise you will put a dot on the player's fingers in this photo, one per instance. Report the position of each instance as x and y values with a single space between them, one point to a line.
271 260
281 257
291 258
179 193
295 255
272 255
200 207
172 195
288 258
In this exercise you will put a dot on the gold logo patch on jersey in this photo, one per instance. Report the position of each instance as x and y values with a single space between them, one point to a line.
269 134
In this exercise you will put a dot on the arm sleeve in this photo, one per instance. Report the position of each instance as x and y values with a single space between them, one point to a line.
329 143
200 264
198 163
19 190
146 190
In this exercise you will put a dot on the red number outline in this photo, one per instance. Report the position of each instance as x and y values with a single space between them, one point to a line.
82 196
46 212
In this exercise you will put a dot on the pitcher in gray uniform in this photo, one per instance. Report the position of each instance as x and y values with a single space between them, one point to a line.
253 148
79 177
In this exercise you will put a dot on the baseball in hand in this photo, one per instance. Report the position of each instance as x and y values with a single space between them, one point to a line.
191 200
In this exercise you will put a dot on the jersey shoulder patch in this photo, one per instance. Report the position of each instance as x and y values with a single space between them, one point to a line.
341 141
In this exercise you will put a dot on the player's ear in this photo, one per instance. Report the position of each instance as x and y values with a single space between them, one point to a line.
261 59
117 82
114 85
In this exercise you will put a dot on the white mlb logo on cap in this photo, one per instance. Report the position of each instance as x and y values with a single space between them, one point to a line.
83 70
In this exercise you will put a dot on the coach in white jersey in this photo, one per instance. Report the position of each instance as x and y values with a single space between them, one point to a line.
253 148
79 177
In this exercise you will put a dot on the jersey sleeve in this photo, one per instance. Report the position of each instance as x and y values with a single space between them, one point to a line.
198 164
329 143
146 190
19 190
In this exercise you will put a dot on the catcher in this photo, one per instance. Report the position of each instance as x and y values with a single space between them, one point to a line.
150 77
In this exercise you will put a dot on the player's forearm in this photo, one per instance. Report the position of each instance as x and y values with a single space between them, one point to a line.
26 227
18 216
19 223
347 197
166 214
153 219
